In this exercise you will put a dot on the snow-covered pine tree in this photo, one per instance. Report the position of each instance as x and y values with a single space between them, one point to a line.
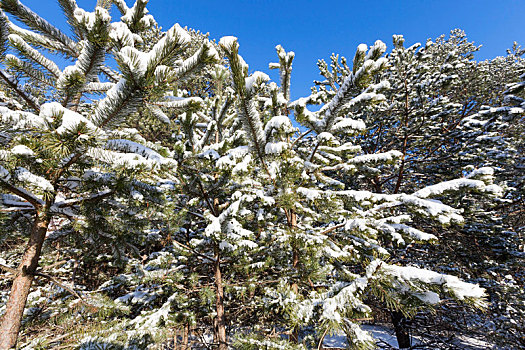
281 235
432 90
60 153
493 139
272 223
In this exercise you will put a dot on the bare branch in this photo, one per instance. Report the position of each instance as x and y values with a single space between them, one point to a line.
36 202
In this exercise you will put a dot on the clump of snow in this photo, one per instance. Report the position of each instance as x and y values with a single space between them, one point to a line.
25 176
452 284
120 32
21 150
414 233
4 173
228 42
89 19
134 147
362 48
458 184
481 172
255 79
325 137
232 156
310 194
377 157
18 120
146 19
348 124
69 71
281 123
70 119
452 185
275 147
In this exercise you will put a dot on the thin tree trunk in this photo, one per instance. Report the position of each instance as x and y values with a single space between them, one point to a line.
220 322
185 336
295 256
402 331
12 319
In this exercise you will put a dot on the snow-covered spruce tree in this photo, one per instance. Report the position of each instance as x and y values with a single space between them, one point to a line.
61 154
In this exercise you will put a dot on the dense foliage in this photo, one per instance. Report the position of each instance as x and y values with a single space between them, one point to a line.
157 193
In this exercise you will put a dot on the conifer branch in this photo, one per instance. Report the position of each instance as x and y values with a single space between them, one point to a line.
205 56
28 70
248 111
9 81
9 269
4 32
93 198
212 260
110 74
285 69
60 284
73 159
37 23
68 8
300 137
32 54
36 202
121 6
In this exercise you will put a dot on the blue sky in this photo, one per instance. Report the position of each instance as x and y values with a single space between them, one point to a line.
315 29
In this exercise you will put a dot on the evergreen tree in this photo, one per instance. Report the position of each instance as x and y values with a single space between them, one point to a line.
181 174
61 155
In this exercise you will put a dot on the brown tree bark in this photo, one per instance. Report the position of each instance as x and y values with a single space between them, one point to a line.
220 321
12 318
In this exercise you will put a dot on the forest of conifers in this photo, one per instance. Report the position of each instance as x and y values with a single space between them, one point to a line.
157 193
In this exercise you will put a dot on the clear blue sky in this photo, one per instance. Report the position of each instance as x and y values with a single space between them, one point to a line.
315 29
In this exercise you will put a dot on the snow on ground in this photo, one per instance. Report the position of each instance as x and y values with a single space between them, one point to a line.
465 342
385 337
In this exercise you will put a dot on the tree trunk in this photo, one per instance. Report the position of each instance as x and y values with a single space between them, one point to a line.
185 336
402 331
220 322
295 262
12 319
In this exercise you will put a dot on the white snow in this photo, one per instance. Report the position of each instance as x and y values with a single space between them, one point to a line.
362 48
89 18
325 137
4 173
364 97
414 233
18 120
454 285
45 62
347 123
70 119
377 157
69 71
452 185
481 172
281 123
21 150
275 147
120 32
25 176
228 42
256 78
134 147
